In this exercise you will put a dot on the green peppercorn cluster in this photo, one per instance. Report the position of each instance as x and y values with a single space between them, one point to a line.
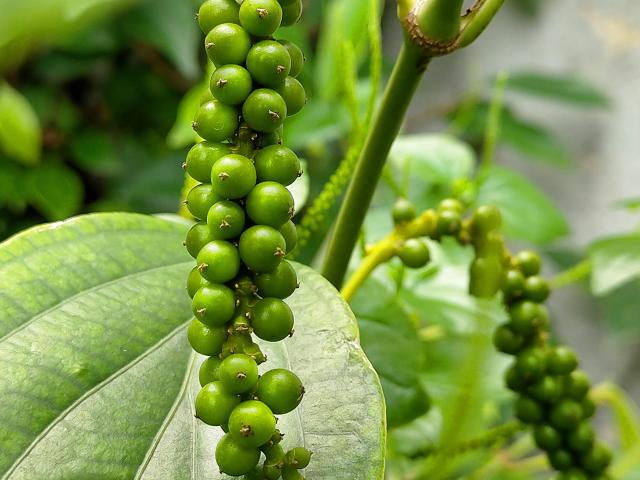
553 394
244 231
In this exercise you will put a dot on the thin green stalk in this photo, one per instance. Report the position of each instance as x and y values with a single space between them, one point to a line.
404 80
492 132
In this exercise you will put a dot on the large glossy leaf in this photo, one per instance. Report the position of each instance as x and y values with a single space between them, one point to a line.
616 261
98 379
527 212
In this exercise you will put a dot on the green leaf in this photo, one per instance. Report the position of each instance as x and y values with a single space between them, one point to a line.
564 88
182 134
98 378
620 309
20 134
330 121
616 261
170 27
390 340
55 191
528 213
435 158
94 151
631 204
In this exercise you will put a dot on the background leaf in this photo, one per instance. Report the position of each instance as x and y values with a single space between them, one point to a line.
563 88
20 135
528 213
616 261
95 362
55 191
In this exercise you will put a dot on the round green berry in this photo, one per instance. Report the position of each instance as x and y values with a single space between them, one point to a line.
238 373
536 288
280 283
414 253
233 176
560 459
588 407
209 371
200 199
215 121
546 390
513 285
527 317
201 158
197 237
566 415
278 164
546 437
269 203
262 248
290 234
449 222
296 55
226 220
260 17
293 94
597 459
204 339
403 211
272 319
195 281
531 364
486 218
219 261
291 12
231 84
489 245
562 360
514 379
581 438
269 63
214 404
576 385
507 341
227 43
572 474
281 390
214 12
298 458
214 305
252 423
235 459
265 110
528 410
528 263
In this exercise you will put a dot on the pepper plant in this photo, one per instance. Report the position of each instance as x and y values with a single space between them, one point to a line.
111 370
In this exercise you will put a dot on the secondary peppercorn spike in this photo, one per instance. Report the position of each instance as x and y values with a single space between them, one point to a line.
240 280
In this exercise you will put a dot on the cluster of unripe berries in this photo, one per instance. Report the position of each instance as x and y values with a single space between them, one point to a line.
414 252
553 395
244 231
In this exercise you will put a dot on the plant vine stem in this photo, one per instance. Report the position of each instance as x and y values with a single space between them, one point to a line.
423 226
404 80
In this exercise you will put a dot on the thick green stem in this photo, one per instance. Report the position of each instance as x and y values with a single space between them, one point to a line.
404 80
